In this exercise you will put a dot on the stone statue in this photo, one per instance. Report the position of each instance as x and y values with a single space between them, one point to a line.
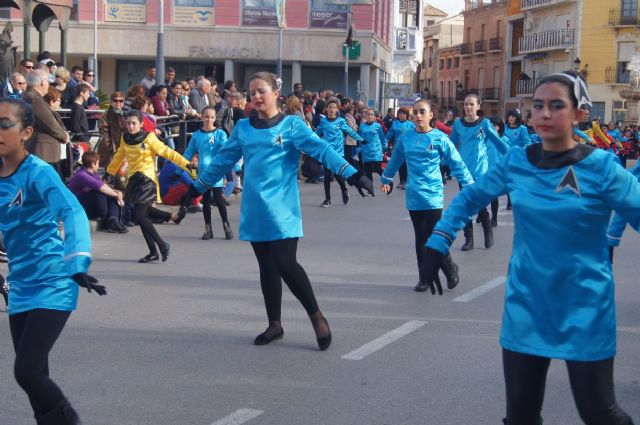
7 53
634 69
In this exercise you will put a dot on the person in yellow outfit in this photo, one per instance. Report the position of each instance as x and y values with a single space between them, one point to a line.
140 149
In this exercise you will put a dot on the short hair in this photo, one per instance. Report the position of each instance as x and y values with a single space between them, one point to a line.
117 94
63 74
138 102
234 95
228 84
24 62
89 158
176 83
50 64
136 90
208 108
52 95
15 76
151 67
76 68
134 113
203 82
82 88
44 55
170 69
403 110
36 77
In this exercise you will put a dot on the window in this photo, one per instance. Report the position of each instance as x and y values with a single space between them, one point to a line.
430 56
430 22
626 50
597 111
74 11
456 62
448 63
441 63
5 13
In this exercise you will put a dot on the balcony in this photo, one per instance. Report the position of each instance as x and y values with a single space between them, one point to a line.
624 17
534 4
463 93
616 75
526 87
490 94
495 45
480 47
547 40
465 49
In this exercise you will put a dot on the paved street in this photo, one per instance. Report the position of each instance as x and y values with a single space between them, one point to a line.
172 344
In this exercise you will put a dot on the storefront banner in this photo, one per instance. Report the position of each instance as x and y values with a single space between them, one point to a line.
397 90
281 13
125 12
252 17
193 16
328 19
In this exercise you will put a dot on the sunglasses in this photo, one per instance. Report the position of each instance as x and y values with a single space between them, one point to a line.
29 66
6 124
89 75
117 100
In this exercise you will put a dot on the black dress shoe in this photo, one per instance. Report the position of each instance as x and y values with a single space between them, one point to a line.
264 339
165 251
420 286
325 341
151 258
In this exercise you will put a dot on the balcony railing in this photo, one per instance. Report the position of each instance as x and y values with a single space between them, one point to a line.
491 94
532 4
547 40
495 44
480 46
624 17
526 87
463 93
616 75
465 49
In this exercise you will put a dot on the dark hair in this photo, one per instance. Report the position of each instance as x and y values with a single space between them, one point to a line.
515 113
22 109
138 102
50 64
228 84
77 68
24 62
81 88
134 113
89 157
565 80
208 108
320 105
333 100
474 96
44 55
176 83
171 69
432 123
403 110
498 122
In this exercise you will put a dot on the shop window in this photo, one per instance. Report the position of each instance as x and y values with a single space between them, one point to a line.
5 13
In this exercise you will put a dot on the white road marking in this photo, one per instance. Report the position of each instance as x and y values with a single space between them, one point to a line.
238 417
480 290
505 223
505 212
384 340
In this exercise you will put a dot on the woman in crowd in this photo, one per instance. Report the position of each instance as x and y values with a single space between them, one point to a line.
134 91
424 149
98 199
206 143
395 133
270 217
112 126
333 129
373 143
559 300
471 135
140 148
45 270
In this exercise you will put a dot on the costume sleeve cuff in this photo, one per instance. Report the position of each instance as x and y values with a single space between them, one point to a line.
78 262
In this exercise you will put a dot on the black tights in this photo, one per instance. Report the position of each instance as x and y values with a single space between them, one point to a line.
277 259
591 383
423 223
34 333
495 204
216 192
371 167
327 183
151 236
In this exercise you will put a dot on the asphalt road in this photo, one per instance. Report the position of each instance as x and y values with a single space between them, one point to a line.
172 343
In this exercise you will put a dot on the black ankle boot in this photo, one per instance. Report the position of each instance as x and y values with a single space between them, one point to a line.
488 231
228 233
450 270
208 233
468 237
62 414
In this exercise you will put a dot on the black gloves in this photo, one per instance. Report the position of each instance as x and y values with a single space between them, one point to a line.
611 254
390 188
89 282
429 266
360 181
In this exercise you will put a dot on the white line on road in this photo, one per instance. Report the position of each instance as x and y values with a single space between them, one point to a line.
384 340
238 417
471 295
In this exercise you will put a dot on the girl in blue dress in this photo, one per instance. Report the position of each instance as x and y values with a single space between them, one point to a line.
373 145
395 134
559 295
44 271
270 215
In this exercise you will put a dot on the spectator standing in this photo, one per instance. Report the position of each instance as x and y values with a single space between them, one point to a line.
112 127
198 97
69 94
26 67
169 76
79 124
49 134
149 80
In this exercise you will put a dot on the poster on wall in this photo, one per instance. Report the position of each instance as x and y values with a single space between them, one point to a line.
259 13
125 11
193 13
327 15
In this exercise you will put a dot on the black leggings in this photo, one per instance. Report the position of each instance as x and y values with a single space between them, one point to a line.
402 172
216 192
370 167
423 223
327 183
591 384
495 204
151 236
34 333
277 259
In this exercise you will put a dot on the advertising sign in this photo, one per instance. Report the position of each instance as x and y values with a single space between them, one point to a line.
328 19
253 17
397 90
193 16
125 11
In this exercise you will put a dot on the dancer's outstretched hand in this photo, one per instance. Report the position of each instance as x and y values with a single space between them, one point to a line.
429 266
87 281
387 188
361 182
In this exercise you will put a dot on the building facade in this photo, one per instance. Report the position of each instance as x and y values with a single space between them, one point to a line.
482 54
230 39
448 77
610 37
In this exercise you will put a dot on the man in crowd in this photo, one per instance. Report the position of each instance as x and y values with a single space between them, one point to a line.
170 76
26 66
14 87
149 80
199 96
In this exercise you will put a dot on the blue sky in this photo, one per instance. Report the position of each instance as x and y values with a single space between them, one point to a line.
452 7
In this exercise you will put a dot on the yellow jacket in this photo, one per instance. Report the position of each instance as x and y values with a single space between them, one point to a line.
142 157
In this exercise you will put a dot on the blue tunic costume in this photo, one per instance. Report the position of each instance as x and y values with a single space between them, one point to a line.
333 130
618 224
374 141
518 136
270 207
493 156
424 152
471 139
206 144
398 129
559 299
32 201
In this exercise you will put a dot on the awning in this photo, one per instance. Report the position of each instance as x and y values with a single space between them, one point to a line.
44 11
